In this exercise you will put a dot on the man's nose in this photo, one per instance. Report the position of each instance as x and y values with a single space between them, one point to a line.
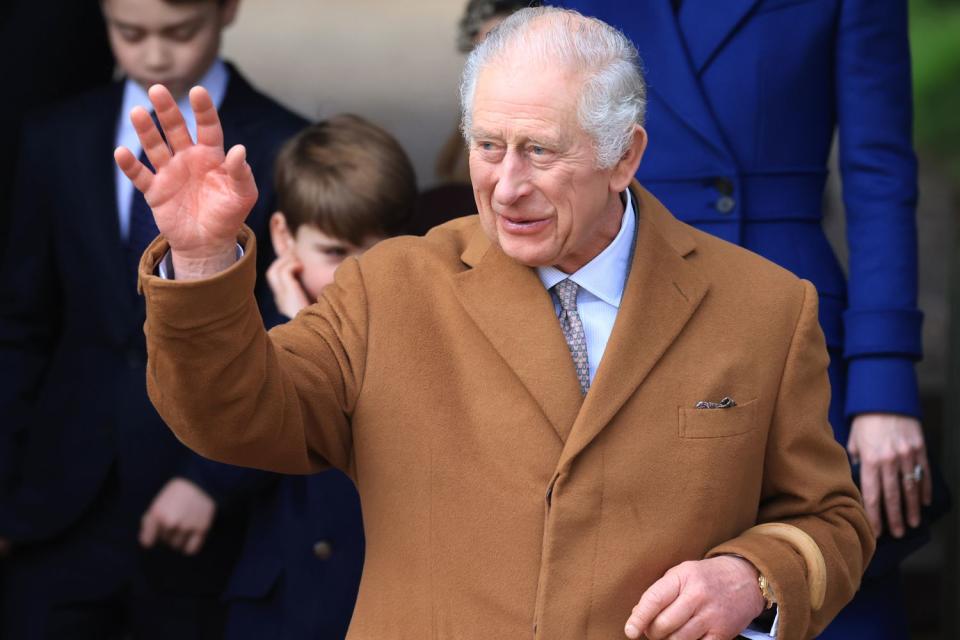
513 181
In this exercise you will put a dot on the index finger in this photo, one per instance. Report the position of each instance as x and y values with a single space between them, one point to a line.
209 131
654 600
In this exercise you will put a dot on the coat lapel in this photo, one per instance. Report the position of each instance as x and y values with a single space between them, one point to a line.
670 74
102 204
510 305
707 25
662 292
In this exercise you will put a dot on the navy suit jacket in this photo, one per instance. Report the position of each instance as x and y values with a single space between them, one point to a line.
72 349
302 560
744 99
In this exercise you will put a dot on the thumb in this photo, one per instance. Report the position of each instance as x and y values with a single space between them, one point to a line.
660 594
241 176
149 529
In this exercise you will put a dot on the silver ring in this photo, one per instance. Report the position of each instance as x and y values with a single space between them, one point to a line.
918 472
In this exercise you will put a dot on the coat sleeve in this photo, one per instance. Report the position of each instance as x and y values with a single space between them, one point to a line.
807 485
879 174
280 402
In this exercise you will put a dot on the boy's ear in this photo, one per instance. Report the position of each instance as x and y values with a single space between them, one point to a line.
280 235
228 12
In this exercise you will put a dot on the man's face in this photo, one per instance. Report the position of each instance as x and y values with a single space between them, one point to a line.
159 43
540 195
320 256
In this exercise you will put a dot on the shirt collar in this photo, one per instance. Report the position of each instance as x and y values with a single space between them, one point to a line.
215 81
606 275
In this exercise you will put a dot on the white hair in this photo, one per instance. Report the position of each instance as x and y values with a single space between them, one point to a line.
613 98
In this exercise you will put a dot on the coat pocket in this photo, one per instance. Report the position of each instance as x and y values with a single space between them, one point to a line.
718 423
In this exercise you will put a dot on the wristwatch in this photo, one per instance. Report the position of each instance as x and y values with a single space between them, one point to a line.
766 592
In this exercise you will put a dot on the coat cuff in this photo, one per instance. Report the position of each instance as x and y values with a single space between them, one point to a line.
893 332
784 569
178 305
882 385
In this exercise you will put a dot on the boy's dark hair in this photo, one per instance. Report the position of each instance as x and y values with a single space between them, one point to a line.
347 177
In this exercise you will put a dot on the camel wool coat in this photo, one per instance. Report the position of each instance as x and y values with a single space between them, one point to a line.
498 502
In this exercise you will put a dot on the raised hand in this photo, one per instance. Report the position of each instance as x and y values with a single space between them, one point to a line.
199 195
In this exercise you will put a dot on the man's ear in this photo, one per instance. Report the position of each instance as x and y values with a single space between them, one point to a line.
228 12
628 164
280 235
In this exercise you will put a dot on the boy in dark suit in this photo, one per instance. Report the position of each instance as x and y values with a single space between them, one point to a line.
117 529
342 186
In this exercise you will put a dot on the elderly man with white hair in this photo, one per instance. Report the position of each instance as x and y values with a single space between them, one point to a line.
571 416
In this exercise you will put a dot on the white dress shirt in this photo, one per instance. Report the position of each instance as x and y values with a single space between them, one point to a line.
601 287
214 81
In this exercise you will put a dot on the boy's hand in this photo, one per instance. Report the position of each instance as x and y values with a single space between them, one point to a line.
199 196
180 516
283 279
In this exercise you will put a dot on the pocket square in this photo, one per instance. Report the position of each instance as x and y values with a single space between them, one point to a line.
726 403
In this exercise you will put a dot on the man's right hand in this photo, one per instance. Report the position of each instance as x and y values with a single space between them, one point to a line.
199 195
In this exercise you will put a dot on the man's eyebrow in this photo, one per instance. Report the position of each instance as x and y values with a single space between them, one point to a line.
481 134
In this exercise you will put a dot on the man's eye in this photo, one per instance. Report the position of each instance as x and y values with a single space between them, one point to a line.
486 146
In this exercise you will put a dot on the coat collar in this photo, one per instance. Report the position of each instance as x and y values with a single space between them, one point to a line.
514 311
663 291
707 25
673 57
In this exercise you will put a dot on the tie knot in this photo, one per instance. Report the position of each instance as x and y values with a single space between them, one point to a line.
566 291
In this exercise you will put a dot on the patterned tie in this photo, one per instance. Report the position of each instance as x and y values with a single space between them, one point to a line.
572 328
143 228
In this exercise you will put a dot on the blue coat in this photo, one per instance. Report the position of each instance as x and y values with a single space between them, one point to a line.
76 417
744 98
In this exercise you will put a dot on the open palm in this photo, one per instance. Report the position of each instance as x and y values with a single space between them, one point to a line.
199 195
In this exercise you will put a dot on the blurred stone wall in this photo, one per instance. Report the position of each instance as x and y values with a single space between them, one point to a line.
395 63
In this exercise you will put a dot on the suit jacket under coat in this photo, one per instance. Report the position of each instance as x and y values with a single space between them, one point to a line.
497 501
745 97
72 351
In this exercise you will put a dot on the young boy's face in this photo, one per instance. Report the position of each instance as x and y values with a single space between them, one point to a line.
159 43
318 253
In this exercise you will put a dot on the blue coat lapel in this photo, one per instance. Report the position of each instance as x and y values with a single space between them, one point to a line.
706 25
673 78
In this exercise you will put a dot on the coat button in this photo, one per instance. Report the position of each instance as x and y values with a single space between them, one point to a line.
725 204
322 550
724 186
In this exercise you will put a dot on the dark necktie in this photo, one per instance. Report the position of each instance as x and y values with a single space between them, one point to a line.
676 5
143 229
